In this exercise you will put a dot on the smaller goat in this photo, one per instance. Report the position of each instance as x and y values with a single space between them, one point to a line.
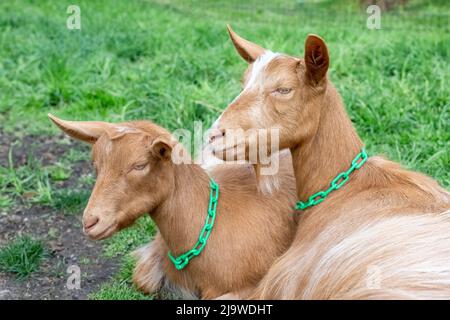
135 175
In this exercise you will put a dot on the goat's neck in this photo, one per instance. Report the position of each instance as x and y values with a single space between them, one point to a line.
329 151
181 216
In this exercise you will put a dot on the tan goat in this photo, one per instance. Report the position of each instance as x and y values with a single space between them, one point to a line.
384 234
135 176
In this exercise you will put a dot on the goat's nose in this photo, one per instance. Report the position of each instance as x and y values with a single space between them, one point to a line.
89 222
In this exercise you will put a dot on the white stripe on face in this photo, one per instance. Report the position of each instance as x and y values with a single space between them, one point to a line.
258 67
255 79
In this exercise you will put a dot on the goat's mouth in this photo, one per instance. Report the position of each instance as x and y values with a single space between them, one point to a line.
100 231
222 150
228 149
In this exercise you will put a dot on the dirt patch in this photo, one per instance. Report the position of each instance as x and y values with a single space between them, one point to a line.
65 245
45 148
61 233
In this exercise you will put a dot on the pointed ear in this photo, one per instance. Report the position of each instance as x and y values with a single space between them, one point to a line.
249 51
316 58
162 148
87 131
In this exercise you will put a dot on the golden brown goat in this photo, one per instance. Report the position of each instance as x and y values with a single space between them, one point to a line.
135 175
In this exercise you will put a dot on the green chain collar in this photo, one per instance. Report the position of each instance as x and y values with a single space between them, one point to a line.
336 184
182 261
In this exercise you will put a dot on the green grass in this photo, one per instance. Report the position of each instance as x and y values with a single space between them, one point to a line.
22 256
122 244
59 172
118 291
121 287
172 62
5 203
131 238
34 183
29 183
70 201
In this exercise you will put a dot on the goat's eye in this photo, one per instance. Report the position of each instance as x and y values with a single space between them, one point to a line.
283 90
140 167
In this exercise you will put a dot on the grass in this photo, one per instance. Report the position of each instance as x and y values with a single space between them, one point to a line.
59 172
130 238
172 62
22 256
121 287
70 201
34 183
5 203
118 291
31 183
121 244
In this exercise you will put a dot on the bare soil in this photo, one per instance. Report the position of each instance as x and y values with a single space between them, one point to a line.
61 234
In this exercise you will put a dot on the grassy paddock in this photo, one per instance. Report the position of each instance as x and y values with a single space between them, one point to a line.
172 62
21 257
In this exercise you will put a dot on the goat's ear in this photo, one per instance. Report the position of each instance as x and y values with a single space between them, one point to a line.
162 148
316 58
87 131
249 51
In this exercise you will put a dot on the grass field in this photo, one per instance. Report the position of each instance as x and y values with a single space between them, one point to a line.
172 62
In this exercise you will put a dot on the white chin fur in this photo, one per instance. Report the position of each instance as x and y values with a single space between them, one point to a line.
267 184
208 160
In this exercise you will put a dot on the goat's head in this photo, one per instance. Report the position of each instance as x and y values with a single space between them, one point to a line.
279 92
134 171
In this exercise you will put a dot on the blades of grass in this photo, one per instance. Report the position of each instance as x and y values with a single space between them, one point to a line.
22 256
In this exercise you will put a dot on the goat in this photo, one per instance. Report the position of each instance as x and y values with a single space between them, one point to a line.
135 175
384 234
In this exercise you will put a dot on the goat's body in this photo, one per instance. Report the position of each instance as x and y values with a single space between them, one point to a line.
251 230
385 235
